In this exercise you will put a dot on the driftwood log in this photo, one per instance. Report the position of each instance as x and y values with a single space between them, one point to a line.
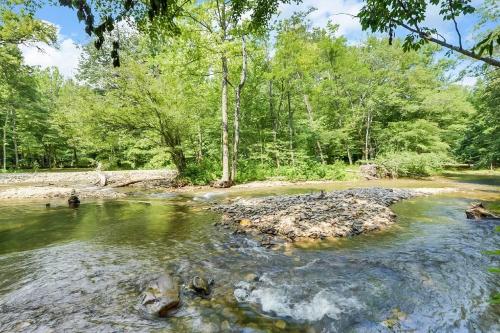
478 212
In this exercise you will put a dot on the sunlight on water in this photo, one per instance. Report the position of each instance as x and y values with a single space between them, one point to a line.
84 269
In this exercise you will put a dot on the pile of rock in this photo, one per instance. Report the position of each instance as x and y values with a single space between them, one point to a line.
315 216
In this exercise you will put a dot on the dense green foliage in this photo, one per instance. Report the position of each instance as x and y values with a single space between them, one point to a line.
310 104
384 16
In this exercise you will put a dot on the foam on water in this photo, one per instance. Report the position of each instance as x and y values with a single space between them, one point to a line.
282 303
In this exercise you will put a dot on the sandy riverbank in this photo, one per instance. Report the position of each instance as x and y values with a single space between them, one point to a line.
87 184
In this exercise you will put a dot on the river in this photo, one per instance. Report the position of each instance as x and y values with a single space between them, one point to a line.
82 270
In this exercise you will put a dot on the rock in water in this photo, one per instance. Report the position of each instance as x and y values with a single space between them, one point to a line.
162 296
73 200
200 285
478 212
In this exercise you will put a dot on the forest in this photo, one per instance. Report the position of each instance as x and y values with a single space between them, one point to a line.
220 99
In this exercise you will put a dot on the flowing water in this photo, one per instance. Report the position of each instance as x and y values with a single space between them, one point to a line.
82 270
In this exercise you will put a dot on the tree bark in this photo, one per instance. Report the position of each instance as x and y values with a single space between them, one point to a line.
290 127
367 135
226 176
4 143
237 109
199 155
349 156
225 135
274 117
14 138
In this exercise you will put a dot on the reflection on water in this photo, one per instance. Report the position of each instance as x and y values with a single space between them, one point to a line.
83 270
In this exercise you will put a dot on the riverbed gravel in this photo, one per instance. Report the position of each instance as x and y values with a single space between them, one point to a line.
315 216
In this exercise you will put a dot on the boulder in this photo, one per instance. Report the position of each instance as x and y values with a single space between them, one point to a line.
201 285
478 212
162 296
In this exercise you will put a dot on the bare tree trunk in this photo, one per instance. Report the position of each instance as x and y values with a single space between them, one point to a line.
275 124
367 135
5 140
238 107
14 137
311 125
349 155
290 127
225 135
226 180
199 155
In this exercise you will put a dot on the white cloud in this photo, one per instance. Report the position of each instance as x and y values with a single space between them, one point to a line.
331 10
468 81
65 57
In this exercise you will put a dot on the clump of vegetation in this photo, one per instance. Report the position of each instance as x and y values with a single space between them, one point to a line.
410 164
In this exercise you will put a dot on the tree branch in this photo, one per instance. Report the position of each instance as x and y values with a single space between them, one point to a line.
489 60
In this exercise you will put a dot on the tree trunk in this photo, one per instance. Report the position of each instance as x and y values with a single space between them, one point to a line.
5 141
349 155
226 176
367 135
179 159
290 127
225 136
14 138
75 157
275 124
311 125
199 155
237 109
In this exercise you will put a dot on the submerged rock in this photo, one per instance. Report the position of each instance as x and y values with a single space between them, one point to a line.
162 296
316 216
478 212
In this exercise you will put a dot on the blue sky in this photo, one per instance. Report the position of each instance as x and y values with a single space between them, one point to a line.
72 34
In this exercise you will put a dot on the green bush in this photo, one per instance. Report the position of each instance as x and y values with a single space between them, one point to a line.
202 173
410 164
309 171
254 171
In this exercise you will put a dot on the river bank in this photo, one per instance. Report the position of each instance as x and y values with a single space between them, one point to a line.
87 184
120 184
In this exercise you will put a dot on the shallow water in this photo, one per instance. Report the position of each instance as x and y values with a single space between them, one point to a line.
83 270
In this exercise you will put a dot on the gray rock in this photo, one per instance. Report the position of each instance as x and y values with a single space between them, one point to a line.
162 296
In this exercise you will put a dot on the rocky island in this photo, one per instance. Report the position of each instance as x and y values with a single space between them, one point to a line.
316 216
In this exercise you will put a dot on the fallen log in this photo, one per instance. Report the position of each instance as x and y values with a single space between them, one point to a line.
478 212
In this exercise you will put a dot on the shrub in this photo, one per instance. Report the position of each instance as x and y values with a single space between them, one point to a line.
410 164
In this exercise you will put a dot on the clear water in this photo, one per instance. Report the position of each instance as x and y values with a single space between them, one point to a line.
83 270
